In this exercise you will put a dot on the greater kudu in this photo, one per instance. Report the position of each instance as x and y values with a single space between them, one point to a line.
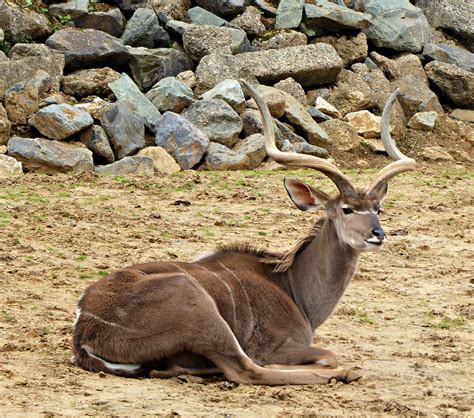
245 313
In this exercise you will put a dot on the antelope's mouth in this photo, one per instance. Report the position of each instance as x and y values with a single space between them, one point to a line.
374 241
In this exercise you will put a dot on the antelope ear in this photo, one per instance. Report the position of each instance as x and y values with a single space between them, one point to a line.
380 190
305 197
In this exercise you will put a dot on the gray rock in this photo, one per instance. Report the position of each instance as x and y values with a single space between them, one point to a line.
254 148
410 64
50 157
23 24
305 148
266 7
416 97
21 101
9 166
216 119
143 29
110 21
327 16
60 121
43 81
15 71
289 14
141 166
450 55
5 126
23 50
199 41
84 48
396 24
130 5
89 82
229 91
350 48
459 114
178 28
170 94
163 163
250 21
455 16
199 16
424 121
125 128
95 139
223 8
186 143
125 89
290 86
308 65
151 65
275 99
280 39
457 84
74 9
219 157
317 115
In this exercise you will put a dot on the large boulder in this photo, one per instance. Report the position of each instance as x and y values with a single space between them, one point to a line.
254 148
151 65
199 16
186 143
455 16
219 157
109 21
125 89
50 157
142 166
125 128
72 8
86 48
451 55
60 121
143 29
89 82
170 94
216 118
308 65
457 84
396 24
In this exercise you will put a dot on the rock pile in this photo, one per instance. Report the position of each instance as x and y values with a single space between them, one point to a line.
135 86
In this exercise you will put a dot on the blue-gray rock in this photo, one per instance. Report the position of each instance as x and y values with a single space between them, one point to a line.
199 16
308 64
289 14
223 8
89 82
219 157
95 139
396 24
181 139
143 29
50 157
216 118
74 9
450 55
455 16
125 128
60 121
317 115
457 84
111 21
125 89
170 94
254 148
151 65
229 91
142 166
326 16
85 48
305 148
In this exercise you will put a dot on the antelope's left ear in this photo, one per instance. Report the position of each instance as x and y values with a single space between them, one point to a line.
305 197
380 190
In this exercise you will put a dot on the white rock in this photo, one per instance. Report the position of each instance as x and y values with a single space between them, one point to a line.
423 121
9 166
327 108
365 123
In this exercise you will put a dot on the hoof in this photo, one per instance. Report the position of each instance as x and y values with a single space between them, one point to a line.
352 376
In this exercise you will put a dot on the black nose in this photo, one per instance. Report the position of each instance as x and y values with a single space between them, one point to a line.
379 233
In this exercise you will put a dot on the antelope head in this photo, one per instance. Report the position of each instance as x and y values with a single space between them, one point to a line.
354 211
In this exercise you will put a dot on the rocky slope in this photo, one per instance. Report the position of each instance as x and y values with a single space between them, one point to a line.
145 87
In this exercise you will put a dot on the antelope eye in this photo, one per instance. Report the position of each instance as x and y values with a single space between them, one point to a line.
379 211
347 211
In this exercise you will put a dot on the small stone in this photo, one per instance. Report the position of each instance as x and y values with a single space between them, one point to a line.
187 77
459 114
423 121
135 165
60 121
9 166
169 94
436 154
365 123
219 157
278 39
327 108
292 87
95 139
289 14
254 148
250 21
362 164
305 148
162 161
229 91
317 115
275 99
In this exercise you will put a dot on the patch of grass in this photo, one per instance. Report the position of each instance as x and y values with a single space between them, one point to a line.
4 218
122 180
13 196
363 318
262 233
208 231
63 194
186 187
81 257
446 322
37 198
7 316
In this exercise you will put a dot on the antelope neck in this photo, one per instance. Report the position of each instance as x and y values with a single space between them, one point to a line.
320 274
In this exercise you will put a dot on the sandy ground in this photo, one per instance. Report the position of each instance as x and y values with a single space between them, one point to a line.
406 319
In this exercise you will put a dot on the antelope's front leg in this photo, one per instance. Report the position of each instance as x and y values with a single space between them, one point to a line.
293 354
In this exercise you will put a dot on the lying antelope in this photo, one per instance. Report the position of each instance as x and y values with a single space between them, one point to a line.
246 313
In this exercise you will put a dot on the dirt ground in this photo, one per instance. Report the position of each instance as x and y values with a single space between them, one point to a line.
405 320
